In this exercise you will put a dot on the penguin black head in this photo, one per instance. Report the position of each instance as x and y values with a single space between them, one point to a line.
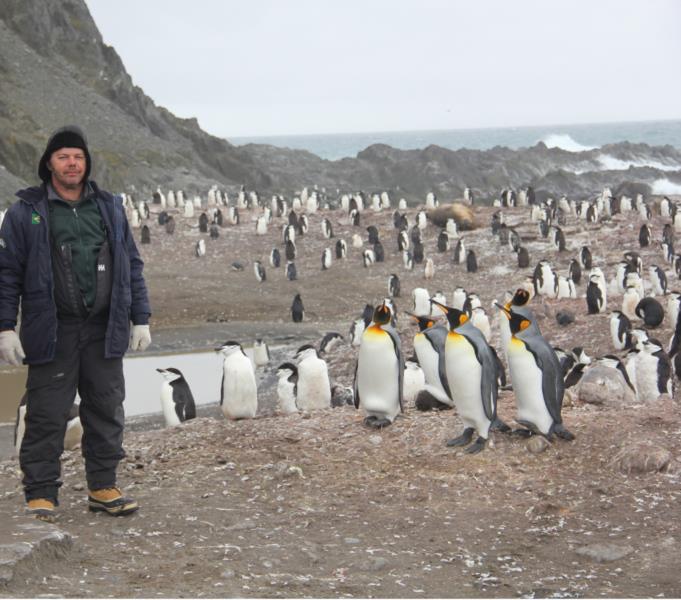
382 314
171 374
521 297
455 317
305 347
288 369
517 321
367 314
229 347
423 322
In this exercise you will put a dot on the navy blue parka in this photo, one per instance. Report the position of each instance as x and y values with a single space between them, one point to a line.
26 275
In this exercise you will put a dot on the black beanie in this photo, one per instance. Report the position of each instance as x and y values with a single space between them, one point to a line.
70 136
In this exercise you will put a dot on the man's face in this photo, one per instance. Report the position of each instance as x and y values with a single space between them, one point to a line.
68 167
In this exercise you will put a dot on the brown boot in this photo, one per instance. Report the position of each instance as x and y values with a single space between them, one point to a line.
111 501
41 508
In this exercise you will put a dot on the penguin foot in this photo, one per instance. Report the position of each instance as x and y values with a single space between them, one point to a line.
563 433
477 446
525 433
463 439
370 420
499 425
381 423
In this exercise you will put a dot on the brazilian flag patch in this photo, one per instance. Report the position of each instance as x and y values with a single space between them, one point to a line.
35 218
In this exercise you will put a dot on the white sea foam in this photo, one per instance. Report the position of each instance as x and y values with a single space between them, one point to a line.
664 186
564 141
610 163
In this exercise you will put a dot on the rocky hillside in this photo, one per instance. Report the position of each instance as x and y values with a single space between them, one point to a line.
55 69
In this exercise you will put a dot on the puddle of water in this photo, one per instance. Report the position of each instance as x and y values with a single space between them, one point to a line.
202 370
12 386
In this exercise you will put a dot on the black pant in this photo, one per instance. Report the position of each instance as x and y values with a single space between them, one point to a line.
79 364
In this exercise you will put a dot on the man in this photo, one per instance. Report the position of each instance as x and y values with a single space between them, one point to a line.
67 253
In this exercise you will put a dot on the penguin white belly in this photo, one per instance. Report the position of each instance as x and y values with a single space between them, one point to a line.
504 332
464 374
287 399
527 385
429 361
414 381
314 388
20 429
646 377
168 406
378 375
614 334
74 434
240 392
630 368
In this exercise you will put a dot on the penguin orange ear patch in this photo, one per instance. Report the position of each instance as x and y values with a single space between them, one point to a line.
463 319
524 324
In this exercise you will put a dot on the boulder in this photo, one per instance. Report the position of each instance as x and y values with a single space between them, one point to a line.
606 386
604 552
642 458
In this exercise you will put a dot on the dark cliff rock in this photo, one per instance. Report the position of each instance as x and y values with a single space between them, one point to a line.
56 69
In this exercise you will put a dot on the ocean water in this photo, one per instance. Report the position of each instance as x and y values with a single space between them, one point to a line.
575 138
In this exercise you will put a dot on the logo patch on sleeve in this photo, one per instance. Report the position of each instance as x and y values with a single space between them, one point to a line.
2 243
35 218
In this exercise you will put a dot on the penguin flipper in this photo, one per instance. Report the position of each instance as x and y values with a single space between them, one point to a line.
501 372
189 406
488 381
552 384
437 337
355 387
222 388
400 361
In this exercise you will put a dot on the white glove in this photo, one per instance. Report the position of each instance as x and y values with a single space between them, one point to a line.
10 348
140 337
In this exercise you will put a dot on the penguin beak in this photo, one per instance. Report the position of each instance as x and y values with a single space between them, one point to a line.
442 307
503 309
160 370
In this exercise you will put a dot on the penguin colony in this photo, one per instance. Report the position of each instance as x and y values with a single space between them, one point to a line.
463 354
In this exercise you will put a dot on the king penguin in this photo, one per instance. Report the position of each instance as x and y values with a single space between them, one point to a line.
238 391
471 368
177 401
379 371
537 377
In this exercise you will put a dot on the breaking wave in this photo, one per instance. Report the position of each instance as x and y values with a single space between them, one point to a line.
664 186
610 163
565 142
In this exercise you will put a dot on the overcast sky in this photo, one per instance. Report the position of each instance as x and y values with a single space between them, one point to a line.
268 67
